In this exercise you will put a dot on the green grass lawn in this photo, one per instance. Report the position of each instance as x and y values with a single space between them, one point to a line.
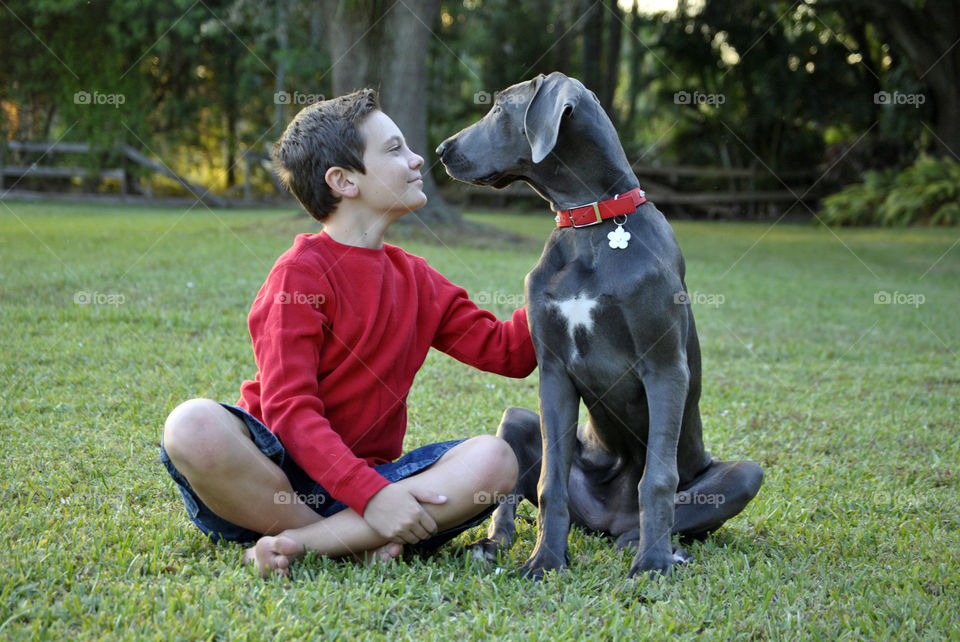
110 316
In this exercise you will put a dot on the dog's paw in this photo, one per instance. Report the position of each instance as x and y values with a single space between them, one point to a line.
629 540
540 563
657 563
681 555
484 550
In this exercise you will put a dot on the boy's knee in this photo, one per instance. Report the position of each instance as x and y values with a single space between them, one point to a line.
195 432
498 464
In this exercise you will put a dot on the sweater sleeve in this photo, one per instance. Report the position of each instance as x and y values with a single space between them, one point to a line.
476 337
287 327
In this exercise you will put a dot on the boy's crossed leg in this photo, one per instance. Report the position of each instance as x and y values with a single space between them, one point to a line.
214 451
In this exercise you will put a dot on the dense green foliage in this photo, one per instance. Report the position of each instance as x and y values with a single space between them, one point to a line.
190 83
772 85
926 193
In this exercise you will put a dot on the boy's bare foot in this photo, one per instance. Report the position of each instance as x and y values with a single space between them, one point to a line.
387 552
272 554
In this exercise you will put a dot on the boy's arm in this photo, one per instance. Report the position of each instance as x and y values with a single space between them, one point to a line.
287 328
476 337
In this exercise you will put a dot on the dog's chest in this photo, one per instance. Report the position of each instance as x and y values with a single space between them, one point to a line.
573 326
577 313
580 296
566 306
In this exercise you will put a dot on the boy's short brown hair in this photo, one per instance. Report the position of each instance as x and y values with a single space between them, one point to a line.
323 135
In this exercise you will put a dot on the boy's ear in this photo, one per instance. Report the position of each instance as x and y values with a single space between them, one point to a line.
341 182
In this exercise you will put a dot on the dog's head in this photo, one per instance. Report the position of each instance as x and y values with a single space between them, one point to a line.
518 132
540 131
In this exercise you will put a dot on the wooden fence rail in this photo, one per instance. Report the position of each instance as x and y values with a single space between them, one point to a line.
127 155
703 171
664 185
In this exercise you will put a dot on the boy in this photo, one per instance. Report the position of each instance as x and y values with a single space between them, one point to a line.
339 329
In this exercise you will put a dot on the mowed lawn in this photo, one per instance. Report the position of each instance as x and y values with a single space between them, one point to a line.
832 358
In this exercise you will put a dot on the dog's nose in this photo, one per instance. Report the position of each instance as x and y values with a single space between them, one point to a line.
443 148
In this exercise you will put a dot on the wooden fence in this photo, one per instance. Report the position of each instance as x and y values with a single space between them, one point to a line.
127 155
670 185
712 191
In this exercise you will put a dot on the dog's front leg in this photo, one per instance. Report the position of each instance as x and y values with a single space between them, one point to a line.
559 405
666 390
519 427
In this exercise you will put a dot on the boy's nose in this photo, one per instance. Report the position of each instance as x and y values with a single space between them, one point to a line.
416 161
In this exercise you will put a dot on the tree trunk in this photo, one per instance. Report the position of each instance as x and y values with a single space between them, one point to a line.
929 36
566 31
230 120
591 51
946 123
283 42
611 60
634 63
387 51
404 90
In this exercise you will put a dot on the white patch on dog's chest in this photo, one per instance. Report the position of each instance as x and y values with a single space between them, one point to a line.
578 313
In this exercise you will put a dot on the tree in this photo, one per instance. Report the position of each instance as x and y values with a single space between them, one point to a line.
600 50
755 83
928 31
373 44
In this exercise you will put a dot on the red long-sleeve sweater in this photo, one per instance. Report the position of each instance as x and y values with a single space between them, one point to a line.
339 333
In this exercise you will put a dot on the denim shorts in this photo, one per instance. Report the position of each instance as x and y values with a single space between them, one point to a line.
305 489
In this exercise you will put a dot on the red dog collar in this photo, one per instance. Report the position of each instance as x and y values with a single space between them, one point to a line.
602 210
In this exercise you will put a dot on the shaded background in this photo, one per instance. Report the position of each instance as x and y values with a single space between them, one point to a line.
803 96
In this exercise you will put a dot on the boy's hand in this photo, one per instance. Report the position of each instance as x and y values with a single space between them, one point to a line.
395 512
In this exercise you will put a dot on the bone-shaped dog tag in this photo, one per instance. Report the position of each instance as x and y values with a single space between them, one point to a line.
619 237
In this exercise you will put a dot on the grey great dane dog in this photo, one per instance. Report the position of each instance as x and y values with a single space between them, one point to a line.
611 326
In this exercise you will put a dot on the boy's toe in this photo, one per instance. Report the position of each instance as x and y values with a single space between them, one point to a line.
249 556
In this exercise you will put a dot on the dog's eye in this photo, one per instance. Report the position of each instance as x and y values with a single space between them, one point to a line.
496 109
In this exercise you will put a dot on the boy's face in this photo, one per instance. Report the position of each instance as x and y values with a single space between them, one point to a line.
392 182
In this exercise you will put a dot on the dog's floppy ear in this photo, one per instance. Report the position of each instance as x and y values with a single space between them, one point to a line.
553 96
